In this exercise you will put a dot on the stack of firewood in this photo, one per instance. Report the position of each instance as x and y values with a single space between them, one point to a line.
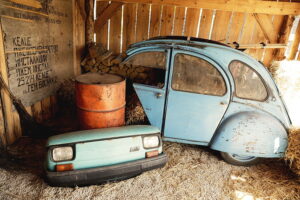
101 60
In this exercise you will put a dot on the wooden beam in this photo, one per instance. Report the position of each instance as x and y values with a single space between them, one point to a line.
258 46
247 6
295 44
107 14
266 25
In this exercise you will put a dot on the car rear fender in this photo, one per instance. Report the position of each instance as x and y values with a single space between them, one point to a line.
251 133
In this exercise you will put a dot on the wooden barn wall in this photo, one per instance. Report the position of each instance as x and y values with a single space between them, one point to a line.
10 128
134 22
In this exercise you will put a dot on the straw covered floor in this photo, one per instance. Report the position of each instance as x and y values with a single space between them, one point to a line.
191 173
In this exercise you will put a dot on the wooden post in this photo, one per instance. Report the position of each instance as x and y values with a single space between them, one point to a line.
294 47
9 137
89 26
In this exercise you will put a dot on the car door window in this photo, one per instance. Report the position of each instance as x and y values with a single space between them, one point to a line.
248 84
149 68
193 74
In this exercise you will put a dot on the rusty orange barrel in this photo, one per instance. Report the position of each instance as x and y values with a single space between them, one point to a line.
100 100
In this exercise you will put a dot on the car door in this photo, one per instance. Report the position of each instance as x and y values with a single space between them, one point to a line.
151 90
198 96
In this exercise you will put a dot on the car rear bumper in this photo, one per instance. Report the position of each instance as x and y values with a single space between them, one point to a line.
104 174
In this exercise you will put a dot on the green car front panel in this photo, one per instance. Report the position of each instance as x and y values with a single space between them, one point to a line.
103 147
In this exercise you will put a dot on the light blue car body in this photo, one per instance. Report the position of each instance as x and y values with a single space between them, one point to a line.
102 147
224 123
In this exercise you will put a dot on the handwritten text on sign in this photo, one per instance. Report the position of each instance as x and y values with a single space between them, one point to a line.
38 46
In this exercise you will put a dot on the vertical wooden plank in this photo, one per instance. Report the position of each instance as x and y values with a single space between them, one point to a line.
250 36
295 44
129 19
46 108
7 104
205 23
28 109
37 111
258 37
142 22
17 125
155 20
270 53
221 23
115 31
236 27
249 26
268 58
54 106
284 32
101 32
167 20
191 24
179 21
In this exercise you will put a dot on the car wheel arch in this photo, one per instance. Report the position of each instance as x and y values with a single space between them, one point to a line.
251 133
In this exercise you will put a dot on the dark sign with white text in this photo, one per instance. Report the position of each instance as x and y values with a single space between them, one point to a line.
38 36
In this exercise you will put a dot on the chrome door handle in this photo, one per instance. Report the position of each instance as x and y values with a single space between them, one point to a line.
158 95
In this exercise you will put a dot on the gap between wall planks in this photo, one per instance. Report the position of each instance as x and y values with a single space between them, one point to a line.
141 21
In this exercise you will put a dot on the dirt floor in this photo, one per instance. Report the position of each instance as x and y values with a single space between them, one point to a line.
191 173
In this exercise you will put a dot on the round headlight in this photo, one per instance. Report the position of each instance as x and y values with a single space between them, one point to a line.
151 141
62 153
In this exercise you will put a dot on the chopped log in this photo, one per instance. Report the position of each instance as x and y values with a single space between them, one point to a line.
117 60
105 55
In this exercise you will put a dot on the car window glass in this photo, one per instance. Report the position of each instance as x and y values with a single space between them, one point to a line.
150 68
248 84
193 74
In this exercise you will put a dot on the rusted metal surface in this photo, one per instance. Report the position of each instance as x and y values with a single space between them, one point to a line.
100 100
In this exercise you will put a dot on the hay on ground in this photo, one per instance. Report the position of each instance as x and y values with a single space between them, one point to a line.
293 151
191 173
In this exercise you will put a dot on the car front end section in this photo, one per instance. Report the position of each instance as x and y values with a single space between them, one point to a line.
102 155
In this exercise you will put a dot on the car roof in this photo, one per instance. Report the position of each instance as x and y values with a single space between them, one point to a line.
180 40
188 43
187 40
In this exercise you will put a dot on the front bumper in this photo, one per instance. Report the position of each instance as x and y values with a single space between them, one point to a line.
104 174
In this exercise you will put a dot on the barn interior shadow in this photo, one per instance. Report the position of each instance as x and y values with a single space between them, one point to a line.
27 154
